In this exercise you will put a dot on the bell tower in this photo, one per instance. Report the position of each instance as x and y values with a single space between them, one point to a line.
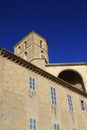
32 48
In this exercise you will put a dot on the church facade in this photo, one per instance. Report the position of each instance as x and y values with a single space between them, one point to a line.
38 95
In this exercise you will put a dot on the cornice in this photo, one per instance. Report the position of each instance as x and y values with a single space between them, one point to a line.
67 64
10 56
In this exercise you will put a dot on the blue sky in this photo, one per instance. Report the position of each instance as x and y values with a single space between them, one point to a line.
62 22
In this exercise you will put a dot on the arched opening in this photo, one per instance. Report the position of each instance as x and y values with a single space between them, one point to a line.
25 55
25 45
19 49
73 78
42 55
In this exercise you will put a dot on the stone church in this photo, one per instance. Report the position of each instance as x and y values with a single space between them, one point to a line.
38 95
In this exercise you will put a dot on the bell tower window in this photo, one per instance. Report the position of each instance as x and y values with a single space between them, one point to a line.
42 55
25 55
19 49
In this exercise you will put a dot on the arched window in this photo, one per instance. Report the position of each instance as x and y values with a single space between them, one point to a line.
25 55
25 45
72 77
42 55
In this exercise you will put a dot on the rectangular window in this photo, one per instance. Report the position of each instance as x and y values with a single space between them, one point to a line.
82 104
32 124
70 102
56 127
53 96
74 129
32 84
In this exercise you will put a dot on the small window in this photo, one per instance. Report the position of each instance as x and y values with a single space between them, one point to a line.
74 129
56 127
70 102
32 83
82 104
53 96
32 124
41 44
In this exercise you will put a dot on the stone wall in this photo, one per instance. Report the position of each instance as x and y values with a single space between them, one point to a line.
18 105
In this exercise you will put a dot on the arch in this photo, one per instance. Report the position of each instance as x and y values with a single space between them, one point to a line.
25 55
42 55
72 77
25 45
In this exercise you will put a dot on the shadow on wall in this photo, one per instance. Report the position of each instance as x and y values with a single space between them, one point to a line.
73 78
